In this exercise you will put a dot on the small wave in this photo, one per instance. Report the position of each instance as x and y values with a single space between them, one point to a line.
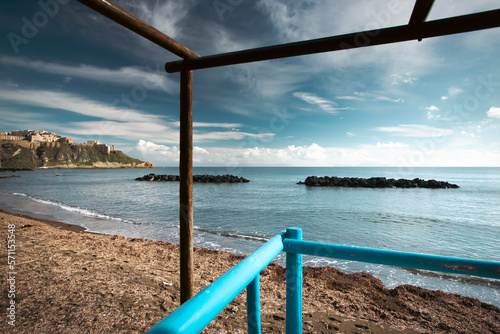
84 212
475 280
234 235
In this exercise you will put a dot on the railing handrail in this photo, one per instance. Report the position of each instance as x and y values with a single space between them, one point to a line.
194 315
455 265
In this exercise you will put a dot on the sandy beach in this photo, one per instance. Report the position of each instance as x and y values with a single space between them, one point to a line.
70 281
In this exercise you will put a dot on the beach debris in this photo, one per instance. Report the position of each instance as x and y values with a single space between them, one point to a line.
196 178
374 182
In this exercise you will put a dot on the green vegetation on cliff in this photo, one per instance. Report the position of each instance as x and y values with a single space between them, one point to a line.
61 155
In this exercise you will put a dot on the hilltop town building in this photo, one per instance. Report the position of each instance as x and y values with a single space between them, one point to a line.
4 136
34 139
20 132
103 148
43 137
68 140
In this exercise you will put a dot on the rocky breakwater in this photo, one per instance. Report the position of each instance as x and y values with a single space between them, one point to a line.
16 169
374 182
196 178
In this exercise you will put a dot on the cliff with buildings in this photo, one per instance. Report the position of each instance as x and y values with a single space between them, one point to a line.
37 149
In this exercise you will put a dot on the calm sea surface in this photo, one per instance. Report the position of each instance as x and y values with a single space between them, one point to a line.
462 222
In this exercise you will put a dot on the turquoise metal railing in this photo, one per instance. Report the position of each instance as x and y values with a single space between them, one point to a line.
194 315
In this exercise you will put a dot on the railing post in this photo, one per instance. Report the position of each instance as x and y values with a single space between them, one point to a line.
294 285
186 186
253 306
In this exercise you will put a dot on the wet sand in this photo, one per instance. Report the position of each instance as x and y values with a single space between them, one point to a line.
70 281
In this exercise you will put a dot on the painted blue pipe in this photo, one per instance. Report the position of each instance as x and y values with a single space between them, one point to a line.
490 269
293 285
195 314
253 306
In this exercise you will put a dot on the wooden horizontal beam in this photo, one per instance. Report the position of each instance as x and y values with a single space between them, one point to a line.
132 22
448 26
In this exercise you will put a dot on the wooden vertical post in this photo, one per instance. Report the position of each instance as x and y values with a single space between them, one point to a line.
186 186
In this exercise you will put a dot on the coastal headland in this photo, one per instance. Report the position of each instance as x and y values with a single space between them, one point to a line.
26 149
65 280
374 182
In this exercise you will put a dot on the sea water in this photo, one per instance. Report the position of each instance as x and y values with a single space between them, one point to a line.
463 222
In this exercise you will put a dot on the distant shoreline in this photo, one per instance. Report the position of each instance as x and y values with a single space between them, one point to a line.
90 167
54 223
69 167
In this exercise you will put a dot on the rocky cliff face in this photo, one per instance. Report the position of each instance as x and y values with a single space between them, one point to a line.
64 155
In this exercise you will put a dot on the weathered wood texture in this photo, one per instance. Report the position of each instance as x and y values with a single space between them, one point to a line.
448 26
128 20
186 185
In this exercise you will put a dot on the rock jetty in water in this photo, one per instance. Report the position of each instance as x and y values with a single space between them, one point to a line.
16 169
196 178
374 182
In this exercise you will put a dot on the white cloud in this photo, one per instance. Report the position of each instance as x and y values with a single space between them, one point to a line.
211 125
301 20
432 112
454 91
350 134
416 130
149 79
121 122
216 125
221 156
323 104
403 78
379 154
158 132
468 134
74 103
350 97
494 112
368 96
166 154
161 152
295 21
390 144
166 16
231 135
132 130
391 65
11 83
446 8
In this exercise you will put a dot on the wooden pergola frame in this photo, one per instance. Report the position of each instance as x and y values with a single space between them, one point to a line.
416 29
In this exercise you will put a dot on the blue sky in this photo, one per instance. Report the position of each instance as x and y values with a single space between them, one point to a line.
66 69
